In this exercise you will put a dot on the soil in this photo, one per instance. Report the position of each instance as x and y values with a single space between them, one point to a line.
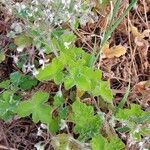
133 67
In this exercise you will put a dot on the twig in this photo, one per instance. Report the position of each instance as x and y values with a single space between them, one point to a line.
2 147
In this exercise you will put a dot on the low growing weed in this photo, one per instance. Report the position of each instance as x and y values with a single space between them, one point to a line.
46 51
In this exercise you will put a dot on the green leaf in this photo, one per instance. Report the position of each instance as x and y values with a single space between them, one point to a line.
69 82
86 123
94 75
57 32
115 144
63 112
101 143
59 77
23 40
65 141
124 99
5 84
63 40
123 129
54 125
58 99
51 70
68 37
38 108
2 56
83 83
102 89
46 73
106 92
26 82
134 111
135 119
8 104
15 78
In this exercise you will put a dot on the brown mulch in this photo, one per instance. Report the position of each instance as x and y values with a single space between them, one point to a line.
21 134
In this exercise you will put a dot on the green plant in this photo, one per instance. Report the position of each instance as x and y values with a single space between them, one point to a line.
2 56
134 120
101 143
24 82
10 98
113 22
45 50
8 103
73 68
39 109
87 124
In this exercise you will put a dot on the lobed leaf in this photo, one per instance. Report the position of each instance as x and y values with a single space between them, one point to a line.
101 143
86 123
39 109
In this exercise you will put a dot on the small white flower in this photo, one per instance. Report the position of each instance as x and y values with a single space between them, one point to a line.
17 4
76 7
20 49
36 9
43 126
141 144
15 58
66 3
10 11
35 72
63 125
35 1
41 62
24 68
39 133
66 44
16 27
30 14
32 66
147 138
137 130
41 53
39 146
23 6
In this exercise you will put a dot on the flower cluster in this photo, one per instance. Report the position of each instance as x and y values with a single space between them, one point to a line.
40 18
56 12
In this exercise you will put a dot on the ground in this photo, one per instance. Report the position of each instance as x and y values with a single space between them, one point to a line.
132 68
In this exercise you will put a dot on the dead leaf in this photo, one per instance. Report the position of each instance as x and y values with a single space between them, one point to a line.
146 33
79 93
139 42
23 40
88 101
102 7
2 27
135 32
141 87
139 37
115 51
